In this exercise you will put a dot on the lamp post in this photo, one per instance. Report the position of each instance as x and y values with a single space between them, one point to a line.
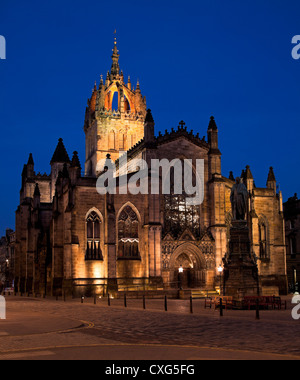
7 273
180 272
220 270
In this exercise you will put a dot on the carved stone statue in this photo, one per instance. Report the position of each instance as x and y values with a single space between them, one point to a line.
239 200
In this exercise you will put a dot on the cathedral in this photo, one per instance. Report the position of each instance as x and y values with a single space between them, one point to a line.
71 239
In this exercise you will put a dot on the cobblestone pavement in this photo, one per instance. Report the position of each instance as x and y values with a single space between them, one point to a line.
39 324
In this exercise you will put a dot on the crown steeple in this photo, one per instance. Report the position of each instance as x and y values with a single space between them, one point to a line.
114 118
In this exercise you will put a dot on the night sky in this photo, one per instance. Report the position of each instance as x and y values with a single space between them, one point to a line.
230 59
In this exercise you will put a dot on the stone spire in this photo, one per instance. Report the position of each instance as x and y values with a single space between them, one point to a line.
114 119
248 179
60 154
75 163
214 152
212 124
212 134
30 167
248 174
271 181
75 168
30 160
149 127
271 175
115 68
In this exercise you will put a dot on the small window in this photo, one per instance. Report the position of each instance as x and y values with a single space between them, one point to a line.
262 240
93 249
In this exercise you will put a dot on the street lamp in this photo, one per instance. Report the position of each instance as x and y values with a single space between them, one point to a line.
180 272
220 270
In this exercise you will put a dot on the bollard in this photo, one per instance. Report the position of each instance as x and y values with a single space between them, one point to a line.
257 317
166 303
108 299
95 299
82 298
144 302
221 307
191 304
125 300
64 296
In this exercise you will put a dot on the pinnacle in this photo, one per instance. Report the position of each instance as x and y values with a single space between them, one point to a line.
149 117
30 160
75 163
60 154
271 175
212 124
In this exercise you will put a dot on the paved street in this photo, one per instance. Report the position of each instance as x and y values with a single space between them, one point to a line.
47 329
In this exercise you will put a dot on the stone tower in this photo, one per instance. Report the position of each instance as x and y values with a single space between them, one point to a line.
114 119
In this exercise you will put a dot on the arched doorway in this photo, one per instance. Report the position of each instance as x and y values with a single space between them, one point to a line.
184 270
188 267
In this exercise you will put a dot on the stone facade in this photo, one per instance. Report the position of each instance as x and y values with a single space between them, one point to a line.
7 259
71 238
292 233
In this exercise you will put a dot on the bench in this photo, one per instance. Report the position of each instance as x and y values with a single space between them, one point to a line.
279 303
227 302
264 301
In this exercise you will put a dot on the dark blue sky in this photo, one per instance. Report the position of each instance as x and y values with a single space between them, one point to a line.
231 59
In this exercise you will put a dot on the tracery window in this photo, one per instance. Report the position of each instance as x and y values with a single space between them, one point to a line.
93 249
179 215
128 234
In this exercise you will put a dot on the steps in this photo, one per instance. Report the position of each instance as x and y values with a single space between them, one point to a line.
198 293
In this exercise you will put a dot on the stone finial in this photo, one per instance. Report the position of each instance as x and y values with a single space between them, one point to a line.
75 163
149 117
212 124
248 174
231 176
271 175
30 160
60 154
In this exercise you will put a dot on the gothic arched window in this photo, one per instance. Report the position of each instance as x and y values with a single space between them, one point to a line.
128 234
93 249
179 214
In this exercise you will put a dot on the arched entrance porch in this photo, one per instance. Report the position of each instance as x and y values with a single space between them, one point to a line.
188 267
